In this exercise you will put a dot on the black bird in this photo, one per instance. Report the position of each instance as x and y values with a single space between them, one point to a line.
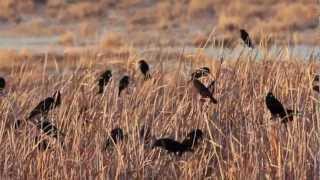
246 38
2 83
124 83
201 72
144 68
277 110
103 80
203 90
193 138
116 136
46 105
171 146
48 128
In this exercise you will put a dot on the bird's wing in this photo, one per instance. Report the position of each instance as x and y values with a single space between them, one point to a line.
274 105
37 110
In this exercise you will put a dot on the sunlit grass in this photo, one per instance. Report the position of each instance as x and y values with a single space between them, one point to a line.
241 140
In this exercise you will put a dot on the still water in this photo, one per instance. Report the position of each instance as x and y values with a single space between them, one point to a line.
50 44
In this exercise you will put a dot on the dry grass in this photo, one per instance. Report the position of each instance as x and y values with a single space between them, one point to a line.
197 7
241 141
67 39
279 18
112 40
88 29
81 10
10 7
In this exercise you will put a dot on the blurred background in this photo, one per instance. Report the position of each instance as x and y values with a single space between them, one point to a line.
54 25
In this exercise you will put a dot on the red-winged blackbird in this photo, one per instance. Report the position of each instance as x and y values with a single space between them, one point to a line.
116 135
124 83
48 128
144 68
2 83
201 72
246 38
203 90
42 144
193 138
103 80
171 146
277 110
46 105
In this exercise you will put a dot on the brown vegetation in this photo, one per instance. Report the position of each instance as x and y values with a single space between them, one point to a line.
241 140
284 21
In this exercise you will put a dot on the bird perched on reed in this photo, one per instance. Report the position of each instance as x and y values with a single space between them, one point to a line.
103 80
144 68
2 83
246 38
201 72
277 109
203 90
46 105
116 135
171 146
193 138
124 83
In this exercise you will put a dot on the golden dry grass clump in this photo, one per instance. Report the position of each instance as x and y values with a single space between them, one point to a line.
197 7
81 10
10 7
10 57
112 40
241 142
67 39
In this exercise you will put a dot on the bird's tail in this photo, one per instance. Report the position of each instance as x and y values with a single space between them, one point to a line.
213 100
289 115
293 112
